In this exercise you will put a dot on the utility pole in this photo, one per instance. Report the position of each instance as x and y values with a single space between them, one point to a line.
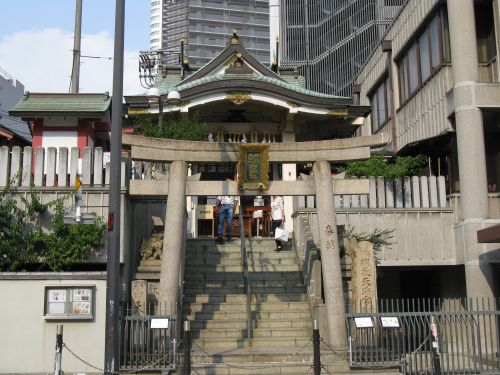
75 72
112 348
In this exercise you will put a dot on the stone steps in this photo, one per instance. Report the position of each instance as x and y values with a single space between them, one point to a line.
236 290
199 283
230 315
241 298
253 276
236 261
257 333
276 342
215 303
255 306
239 268
242 324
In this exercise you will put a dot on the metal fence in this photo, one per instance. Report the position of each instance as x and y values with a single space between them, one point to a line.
396 333
148 339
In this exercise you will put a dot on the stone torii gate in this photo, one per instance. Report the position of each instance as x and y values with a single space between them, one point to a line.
178 186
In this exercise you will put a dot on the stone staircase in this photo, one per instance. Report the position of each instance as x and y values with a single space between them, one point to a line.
215 303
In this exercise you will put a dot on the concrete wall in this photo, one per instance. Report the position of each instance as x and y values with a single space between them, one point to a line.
421 237
57 167
29 339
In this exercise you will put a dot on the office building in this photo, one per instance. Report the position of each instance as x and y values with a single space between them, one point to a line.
206 26
329 40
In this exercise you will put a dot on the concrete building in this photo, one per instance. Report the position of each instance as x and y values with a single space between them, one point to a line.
206 25
434 88
13 131
330 40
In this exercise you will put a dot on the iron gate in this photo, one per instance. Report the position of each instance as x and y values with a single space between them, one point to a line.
147 343
395 333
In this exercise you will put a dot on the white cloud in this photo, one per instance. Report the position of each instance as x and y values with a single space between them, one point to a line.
41 60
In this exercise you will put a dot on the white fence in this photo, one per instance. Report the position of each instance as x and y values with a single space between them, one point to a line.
57 166
406 192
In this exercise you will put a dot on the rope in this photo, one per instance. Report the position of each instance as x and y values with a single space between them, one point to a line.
248 368
102 371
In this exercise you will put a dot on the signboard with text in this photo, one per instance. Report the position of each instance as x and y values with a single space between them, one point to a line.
253 167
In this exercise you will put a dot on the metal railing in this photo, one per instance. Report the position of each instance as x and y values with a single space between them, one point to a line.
403 333
246 281
147 340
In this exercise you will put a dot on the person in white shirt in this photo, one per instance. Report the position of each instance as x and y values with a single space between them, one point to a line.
227 205
277 216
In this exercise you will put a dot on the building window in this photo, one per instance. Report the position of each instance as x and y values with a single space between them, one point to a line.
424 55
380 100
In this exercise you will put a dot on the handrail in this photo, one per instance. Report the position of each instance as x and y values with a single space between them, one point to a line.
246 281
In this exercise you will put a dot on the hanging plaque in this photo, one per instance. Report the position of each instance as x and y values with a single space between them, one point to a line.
253 167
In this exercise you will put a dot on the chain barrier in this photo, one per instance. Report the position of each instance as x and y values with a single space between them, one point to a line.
104 372
401 362
342 355
274 365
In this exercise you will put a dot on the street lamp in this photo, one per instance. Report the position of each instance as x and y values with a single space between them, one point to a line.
154 96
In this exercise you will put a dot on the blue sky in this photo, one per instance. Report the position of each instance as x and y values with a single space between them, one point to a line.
36 42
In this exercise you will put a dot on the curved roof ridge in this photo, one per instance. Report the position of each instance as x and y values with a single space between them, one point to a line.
254 77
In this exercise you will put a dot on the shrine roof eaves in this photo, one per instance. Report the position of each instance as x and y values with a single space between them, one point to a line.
57 103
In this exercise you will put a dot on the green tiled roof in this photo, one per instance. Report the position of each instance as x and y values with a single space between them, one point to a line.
36 103
164 84
253 77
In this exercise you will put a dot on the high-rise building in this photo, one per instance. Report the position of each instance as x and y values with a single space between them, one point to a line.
206 26
329 40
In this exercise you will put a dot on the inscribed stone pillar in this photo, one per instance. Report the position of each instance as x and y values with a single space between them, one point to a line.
173 237
62 167
15 165
27 166
139 294
50 179
39 166
4 165
330 255
73 168
363 274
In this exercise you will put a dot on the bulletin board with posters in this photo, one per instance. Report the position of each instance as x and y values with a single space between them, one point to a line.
69 302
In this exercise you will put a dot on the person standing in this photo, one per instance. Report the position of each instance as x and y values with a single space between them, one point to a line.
277 217
227 204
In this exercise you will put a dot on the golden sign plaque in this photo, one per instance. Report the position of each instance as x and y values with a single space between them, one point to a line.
253 167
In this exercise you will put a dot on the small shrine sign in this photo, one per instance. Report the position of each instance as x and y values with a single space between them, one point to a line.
253 167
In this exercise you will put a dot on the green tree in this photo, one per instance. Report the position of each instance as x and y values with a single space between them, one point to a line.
378 165
24 245
174 127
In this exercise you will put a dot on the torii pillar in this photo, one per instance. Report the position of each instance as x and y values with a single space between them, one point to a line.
330 256
173 237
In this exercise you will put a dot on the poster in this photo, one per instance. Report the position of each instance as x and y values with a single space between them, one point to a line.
81 295
57 295
81 308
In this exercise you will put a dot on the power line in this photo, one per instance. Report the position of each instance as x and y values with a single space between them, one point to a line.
105 57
